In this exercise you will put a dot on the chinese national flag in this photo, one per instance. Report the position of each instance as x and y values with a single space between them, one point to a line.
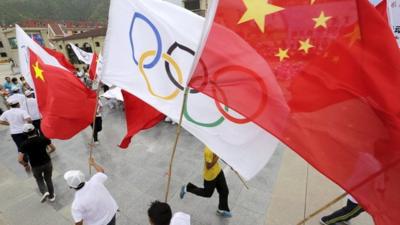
139 116
66 105
382 9
61 59
336 66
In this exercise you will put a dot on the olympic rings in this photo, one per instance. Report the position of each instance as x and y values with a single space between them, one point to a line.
171 77
216 91
262 104
158 36
167 58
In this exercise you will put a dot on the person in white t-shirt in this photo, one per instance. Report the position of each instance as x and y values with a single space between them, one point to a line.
33 111
93 203
160 213
16 118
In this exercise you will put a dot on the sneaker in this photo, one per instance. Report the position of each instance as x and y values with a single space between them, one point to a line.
96 142
183 192
44 197
322 222
346 222
224 213
53 198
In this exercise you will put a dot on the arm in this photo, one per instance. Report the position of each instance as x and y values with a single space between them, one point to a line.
21 159
209 165
96 166
2 122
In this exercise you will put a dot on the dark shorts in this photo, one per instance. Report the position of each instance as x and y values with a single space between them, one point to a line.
19 139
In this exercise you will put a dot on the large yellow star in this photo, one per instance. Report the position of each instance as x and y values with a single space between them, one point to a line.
282 54
38 71
321 20
305 45
355 35
257 10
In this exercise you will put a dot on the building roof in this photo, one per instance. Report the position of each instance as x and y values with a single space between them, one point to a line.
66 23
55 27
90 33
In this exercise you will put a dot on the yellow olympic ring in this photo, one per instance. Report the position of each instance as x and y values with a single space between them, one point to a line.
168 59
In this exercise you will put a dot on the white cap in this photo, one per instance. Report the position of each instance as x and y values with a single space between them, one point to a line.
74 178
28 92
28 128
12 101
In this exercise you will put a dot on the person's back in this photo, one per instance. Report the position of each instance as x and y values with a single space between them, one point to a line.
16 118
35 148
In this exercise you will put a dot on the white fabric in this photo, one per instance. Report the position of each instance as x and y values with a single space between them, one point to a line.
28 127
245 147
93 203
33 109
114 93
24 44
180 218
16 117
394 17
85 57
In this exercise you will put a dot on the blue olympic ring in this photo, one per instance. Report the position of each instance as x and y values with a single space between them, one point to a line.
158 36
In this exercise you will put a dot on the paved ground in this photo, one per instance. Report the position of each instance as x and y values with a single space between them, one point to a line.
137 177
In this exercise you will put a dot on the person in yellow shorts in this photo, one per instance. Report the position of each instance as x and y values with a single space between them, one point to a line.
214 178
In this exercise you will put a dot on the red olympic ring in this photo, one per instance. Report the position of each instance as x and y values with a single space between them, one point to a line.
251 73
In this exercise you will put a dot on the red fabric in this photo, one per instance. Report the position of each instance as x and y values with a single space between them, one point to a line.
139 116
61 59
382 9
337 106
93 67
66 105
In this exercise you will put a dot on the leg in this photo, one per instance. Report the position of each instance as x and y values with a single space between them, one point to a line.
206 192
48 170
223 192
112 222
346 213
38 174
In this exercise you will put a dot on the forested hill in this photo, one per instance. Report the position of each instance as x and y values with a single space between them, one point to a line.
12 11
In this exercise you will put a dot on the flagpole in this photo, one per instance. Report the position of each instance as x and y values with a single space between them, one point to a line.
322 208
91 145
240 178
178 132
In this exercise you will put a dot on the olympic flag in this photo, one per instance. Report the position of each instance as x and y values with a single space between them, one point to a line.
151 55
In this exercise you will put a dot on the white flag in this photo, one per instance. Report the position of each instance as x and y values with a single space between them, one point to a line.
85 57
149 51
394 18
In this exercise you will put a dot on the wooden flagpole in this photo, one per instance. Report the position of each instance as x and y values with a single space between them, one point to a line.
178 132
312 215
91 145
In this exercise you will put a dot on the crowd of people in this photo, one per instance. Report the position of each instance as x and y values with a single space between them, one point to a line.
93 204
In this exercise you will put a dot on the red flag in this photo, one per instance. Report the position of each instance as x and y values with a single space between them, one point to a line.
93 67
340 79
139 116
66 105
382 9
61 59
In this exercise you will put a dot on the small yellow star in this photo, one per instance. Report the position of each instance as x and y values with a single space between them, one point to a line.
321 20
257 10
38 71
282 54
354 36
305 45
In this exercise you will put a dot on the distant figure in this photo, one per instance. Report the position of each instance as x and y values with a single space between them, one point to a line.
7 84
12 65
35 148
214 178
15 85
345 214
16 118
160 213
93 203
98 126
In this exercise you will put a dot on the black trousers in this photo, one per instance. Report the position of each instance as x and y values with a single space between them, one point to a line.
98 127
218 183
43 175
346 213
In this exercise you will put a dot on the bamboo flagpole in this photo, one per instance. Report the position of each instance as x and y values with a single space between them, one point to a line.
91 145
178 132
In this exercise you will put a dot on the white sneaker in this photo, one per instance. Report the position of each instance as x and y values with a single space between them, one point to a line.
53 198
44 197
